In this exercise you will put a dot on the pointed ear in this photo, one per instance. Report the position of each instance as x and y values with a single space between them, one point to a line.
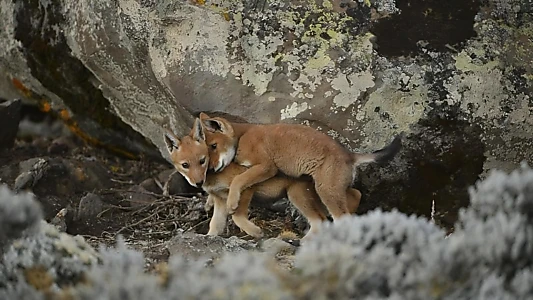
212 125
204 116
197 131
219 124
171 140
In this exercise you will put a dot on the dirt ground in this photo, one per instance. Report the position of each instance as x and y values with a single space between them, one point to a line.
91 192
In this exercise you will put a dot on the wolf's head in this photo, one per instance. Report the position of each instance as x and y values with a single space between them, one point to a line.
189 154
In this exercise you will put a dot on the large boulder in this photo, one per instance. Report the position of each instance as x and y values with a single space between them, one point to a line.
456 77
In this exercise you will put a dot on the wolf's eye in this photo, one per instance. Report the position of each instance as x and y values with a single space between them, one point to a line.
214 146
202 161
185 165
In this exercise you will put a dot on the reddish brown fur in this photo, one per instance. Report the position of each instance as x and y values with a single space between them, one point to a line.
300 191
292 149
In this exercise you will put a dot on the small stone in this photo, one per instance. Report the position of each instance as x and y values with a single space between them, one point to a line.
26 165
28 179
277 246
137 195
280 205
59 146
40 142
90 206
59 221
150 185
198 246
87 174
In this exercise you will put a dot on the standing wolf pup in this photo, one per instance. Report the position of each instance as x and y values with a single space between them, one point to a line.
191 157
295 150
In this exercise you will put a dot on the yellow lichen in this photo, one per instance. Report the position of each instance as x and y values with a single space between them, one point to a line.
38 277
319 60
226 16
223 11
464 62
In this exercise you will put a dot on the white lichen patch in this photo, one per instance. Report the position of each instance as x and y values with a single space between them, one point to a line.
194 40
258 65
351 87
386 6
135 12
7 22
389 110
478 92
315 60
478 87
293 110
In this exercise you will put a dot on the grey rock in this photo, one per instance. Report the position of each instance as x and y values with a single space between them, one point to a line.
138 195
196 209
199 246
126 71
60 145
173 182
89 207
28 179
68 86
277 246
281 205
27 165
85 174
60 220
9 122
8 171
150 185
168 182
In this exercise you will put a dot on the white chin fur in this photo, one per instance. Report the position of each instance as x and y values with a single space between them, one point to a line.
220 166
225 160
189 181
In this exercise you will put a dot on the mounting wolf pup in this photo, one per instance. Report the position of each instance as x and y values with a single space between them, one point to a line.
292 149
191 157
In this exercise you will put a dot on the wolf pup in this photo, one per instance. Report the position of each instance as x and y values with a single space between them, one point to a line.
295 150
191 157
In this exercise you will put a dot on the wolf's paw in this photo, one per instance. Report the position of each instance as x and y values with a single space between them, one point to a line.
213 232
232 203
232 208
208 205
255 232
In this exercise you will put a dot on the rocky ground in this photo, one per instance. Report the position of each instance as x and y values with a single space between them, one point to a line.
88 191
96 193
155 227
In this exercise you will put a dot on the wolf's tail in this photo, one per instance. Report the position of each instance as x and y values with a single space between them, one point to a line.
380 156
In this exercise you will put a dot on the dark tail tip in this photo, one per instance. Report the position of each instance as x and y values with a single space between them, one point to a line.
389 152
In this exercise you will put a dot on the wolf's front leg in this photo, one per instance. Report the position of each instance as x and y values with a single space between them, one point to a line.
209 203
220 215
255 174
240 217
